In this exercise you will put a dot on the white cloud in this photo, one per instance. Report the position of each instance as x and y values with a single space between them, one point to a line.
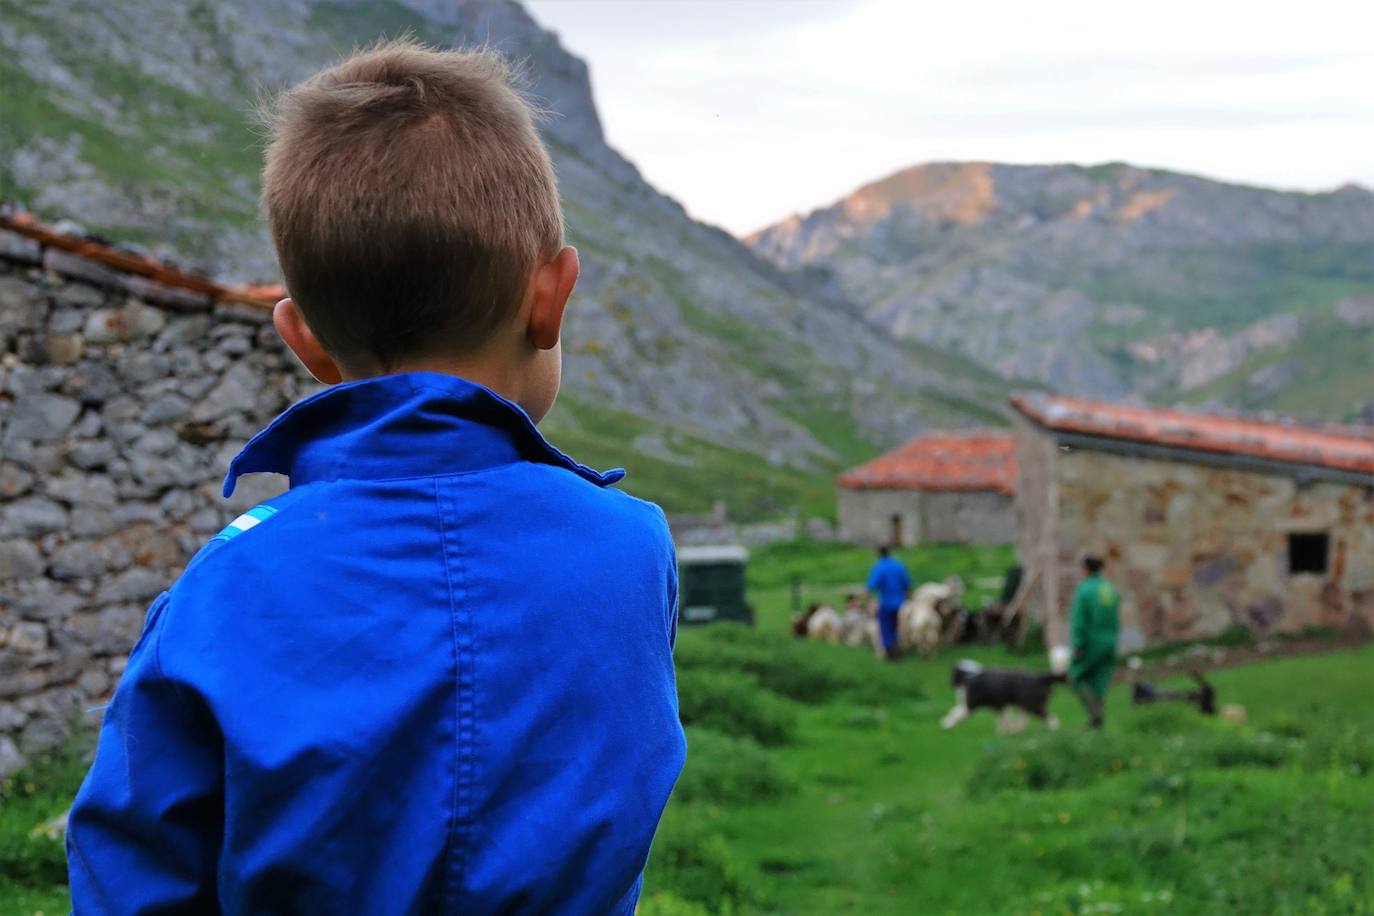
748 110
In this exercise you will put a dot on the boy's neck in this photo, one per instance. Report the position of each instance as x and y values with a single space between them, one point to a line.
499 376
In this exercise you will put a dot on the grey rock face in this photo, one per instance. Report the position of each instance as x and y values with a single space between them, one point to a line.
1095 281
675 322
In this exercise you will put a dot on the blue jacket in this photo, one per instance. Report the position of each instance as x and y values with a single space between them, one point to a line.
435 676
890 582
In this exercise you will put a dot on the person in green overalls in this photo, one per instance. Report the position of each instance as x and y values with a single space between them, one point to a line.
1092 636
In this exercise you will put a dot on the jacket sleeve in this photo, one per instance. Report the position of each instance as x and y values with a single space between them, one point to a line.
144 831
873 582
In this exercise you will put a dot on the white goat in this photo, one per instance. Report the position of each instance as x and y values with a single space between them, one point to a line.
825 624
919 623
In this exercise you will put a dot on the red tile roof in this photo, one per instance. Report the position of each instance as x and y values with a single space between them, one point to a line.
983 460
1345 448
127 262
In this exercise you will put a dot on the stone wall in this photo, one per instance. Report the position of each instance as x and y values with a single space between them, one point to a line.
866 517
1037 537
121 403
1194 548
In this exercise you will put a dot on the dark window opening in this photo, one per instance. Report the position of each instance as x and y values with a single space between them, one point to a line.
897 539
1309 553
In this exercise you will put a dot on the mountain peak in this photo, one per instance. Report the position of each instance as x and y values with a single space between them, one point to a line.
954 192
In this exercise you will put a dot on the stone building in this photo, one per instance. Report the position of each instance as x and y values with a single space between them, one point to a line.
1206 522
946 487
125 387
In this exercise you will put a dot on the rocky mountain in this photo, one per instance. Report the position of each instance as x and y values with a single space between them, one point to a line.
1112 280
710 370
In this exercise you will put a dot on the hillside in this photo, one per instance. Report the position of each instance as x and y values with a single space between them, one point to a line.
1112 280
703 366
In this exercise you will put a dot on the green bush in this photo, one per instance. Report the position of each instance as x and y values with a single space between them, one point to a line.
664 904
802 670
723 769
1056 761
734 703
1349 750
1166 719
36 794
784 665
1287 725
1234 749
1075 761
691 861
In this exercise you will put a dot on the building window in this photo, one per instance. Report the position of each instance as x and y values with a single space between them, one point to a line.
1309 553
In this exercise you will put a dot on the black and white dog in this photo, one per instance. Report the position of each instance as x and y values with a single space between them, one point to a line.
1005 691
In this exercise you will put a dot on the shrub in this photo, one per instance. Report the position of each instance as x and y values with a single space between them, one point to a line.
1166 719
1347 749
34 795
734 703
1057 761
692 862
1287 726
780 663
665 904
723 769
801 670
1066 761
1227 750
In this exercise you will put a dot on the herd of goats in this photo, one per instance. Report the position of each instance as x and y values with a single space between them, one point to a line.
930 619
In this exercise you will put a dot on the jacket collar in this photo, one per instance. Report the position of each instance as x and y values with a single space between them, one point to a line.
417 424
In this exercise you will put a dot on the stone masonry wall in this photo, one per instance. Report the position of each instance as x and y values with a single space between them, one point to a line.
121 403
1195 549
968 518
865 517
1037 526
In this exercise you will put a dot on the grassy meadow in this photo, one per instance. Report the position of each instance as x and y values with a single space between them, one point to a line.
827 785
818 781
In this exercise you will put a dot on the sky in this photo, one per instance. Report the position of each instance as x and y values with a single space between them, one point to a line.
747 111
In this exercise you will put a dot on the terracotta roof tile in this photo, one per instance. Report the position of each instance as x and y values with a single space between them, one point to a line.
122 261
1345 448
983 460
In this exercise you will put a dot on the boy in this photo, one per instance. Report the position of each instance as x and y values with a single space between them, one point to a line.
1092 636
435 675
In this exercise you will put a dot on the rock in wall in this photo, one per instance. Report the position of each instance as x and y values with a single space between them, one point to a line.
121 403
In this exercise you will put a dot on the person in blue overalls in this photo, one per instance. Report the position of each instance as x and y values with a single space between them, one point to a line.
890 584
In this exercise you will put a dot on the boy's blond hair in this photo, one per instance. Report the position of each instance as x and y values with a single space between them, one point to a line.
409 199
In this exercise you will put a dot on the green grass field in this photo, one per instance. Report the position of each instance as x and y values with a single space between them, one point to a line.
819 781
867 806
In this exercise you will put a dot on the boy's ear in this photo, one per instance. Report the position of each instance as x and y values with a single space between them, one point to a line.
290 324
550 288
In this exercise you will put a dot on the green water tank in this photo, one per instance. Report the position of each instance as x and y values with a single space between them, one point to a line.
711 584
